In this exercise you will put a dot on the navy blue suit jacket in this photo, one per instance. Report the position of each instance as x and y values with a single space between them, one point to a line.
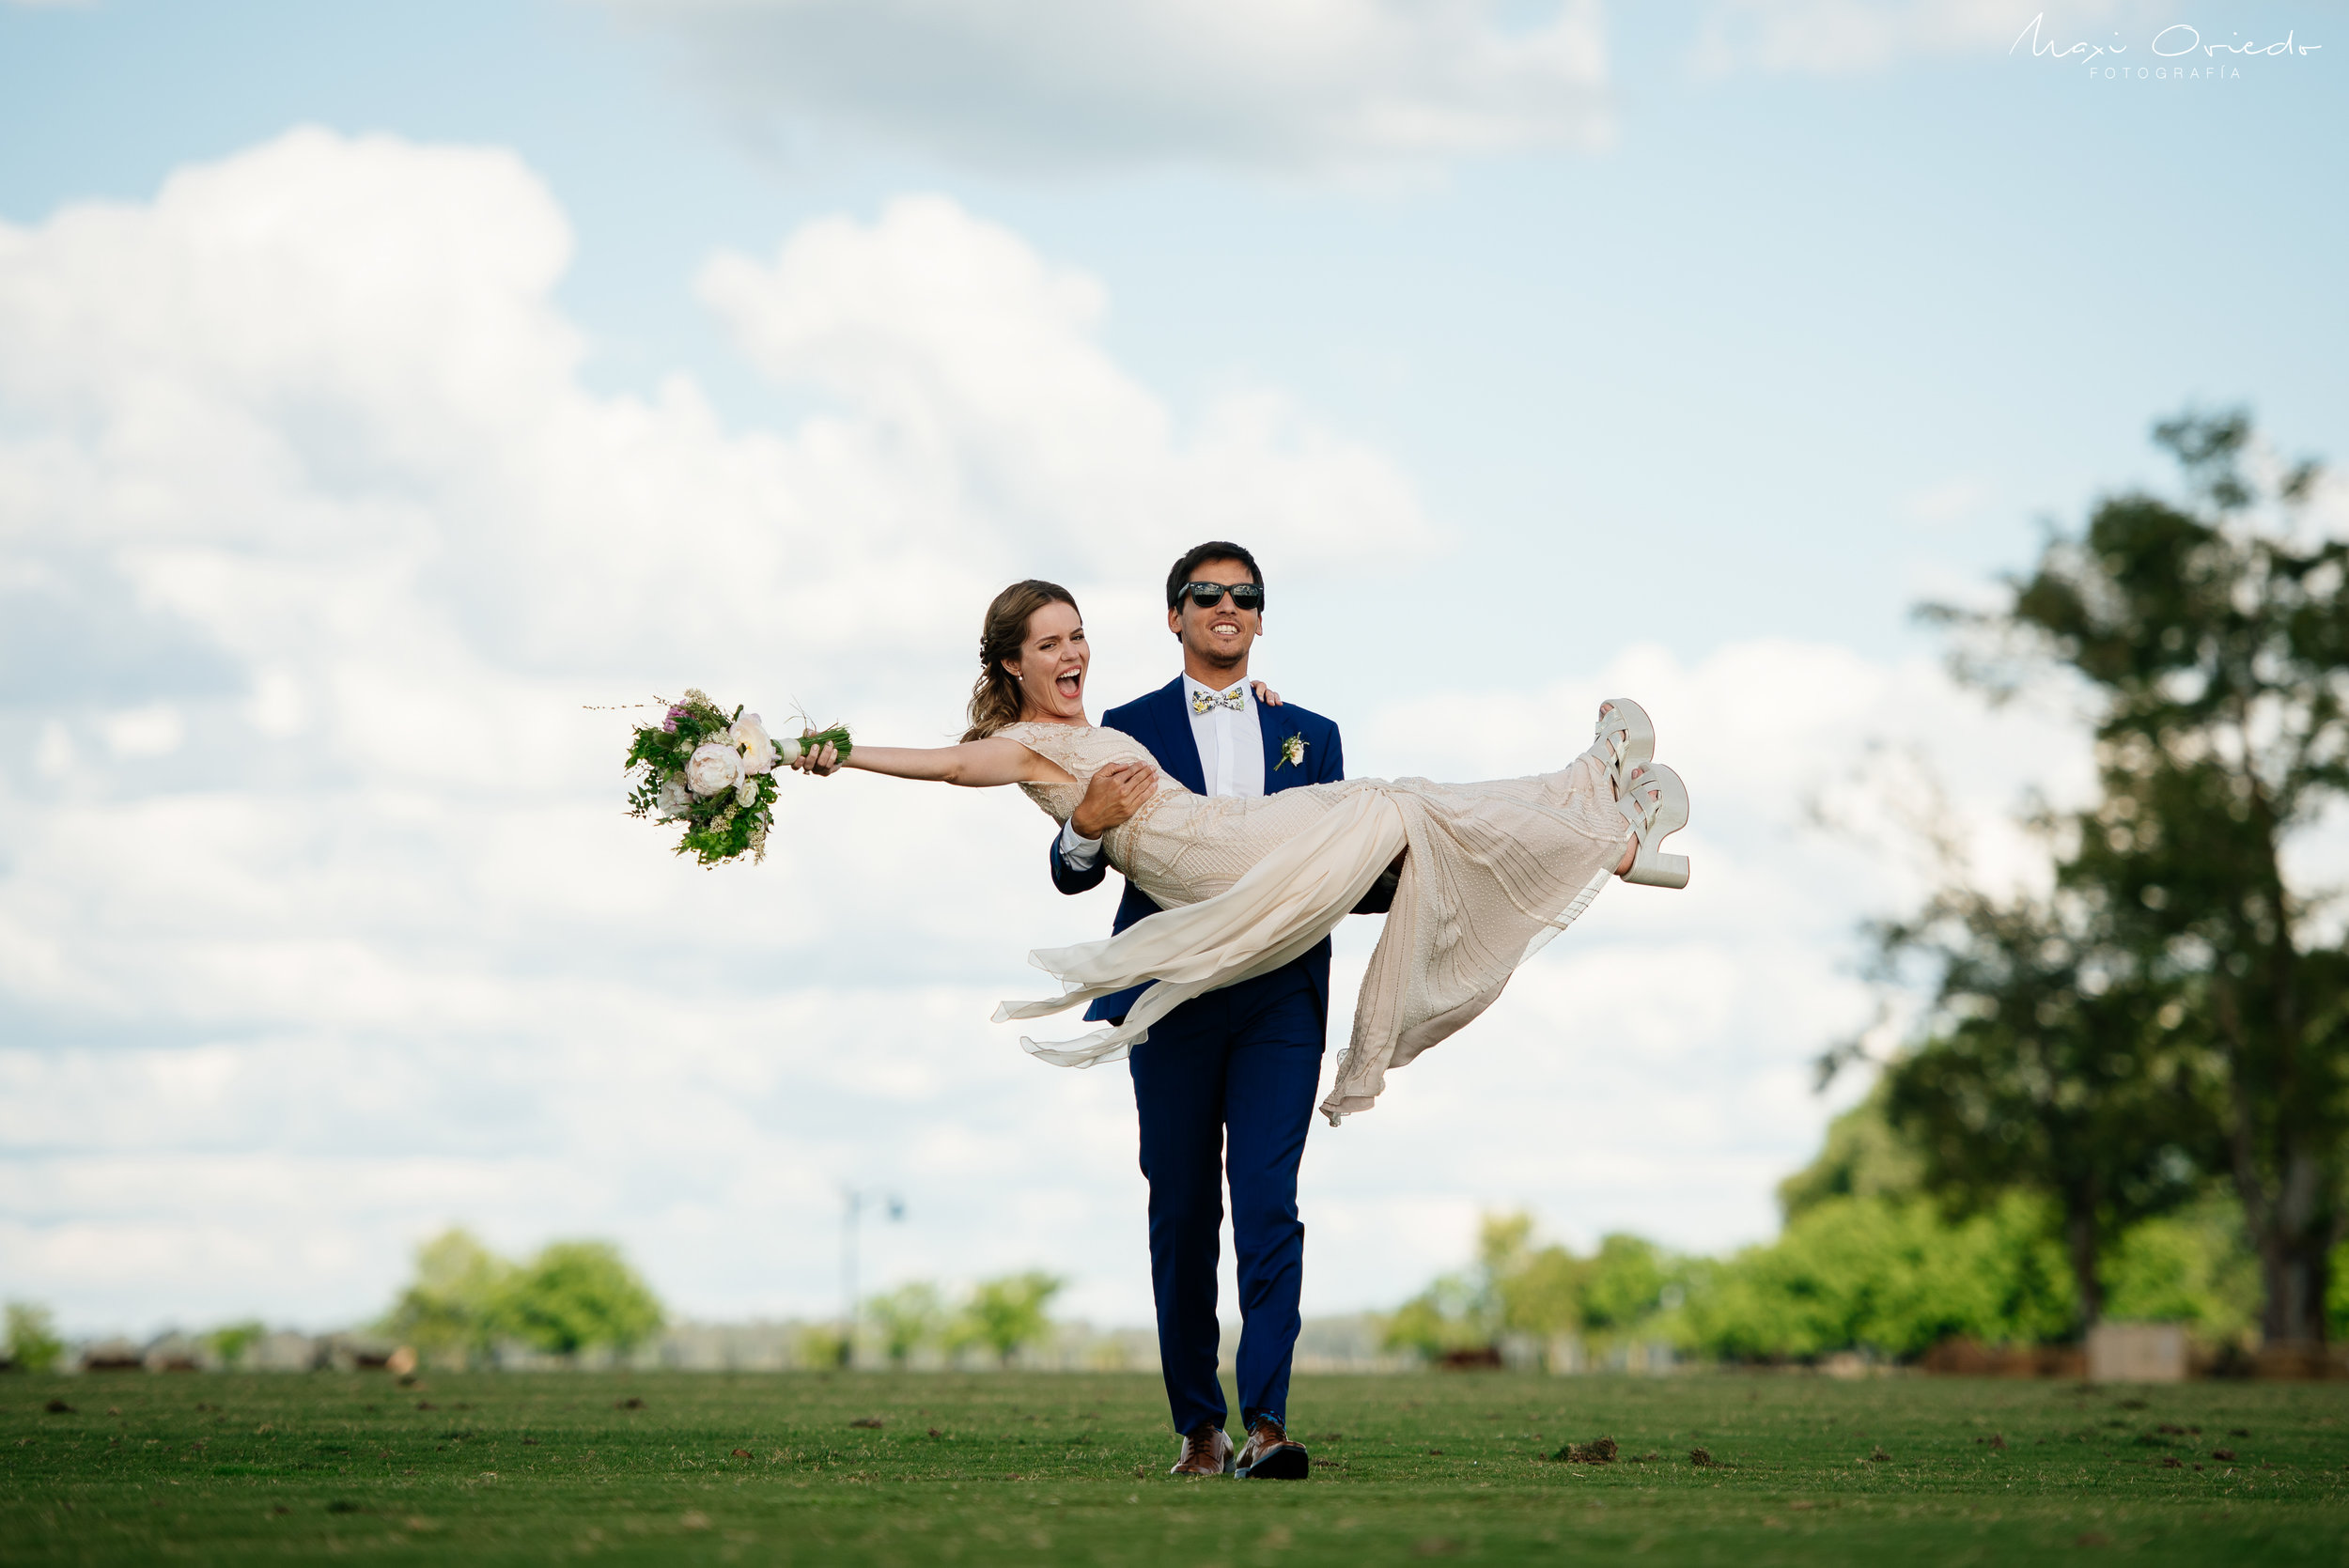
1162 721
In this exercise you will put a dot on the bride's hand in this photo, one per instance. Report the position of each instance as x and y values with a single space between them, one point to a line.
820 763
1265 695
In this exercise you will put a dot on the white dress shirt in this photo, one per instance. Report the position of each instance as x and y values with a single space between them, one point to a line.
1230 757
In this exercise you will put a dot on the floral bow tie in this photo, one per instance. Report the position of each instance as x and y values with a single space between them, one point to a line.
1234 699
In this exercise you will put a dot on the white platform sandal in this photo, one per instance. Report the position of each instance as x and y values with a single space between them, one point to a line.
1655 803
1625 731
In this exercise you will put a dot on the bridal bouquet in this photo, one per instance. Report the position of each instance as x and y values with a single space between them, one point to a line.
714 771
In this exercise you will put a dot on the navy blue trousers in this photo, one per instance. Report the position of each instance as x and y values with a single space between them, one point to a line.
1225 1083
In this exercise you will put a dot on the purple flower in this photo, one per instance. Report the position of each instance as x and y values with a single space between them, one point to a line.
669 725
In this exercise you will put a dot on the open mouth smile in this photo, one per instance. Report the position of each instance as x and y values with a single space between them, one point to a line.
1069 683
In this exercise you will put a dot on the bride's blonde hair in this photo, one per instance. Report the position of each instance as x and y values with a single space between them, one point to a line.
995 697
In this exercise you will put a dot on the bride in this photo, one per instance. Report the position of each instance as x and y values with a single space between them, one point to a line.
1489 871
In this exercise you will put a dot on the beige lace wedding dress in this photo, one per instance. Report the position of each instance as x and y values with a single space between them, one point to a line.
1245 885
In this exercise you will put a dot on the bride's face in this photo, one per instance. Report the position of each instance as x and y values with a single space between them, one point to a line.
1051 668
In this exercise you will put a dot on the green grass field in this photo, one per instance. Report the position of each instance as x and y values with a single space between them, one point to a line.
921 1468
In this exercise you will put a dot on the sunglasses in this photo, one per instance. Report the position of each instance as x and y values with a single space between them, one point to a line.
1207 596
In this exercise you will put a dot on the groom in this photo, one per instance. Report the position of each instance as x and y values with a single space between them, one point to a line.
1225 1084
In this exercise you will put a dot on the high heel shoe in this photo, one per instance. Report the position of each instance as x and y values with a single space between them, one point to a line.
1625 731
1655 803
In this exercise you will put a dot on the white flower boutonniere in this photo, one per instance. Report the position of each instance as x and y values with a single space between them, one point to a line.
1292 754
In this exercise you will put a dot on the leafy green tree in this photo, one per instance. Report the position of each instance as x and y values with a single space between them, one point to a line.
1886 1274
2193 1266
575 1294
33 1341
1523 1288
1624 1286
908 1317
821 1345
1450 1315
2212 637
2053 1064
1518 1287
1007 1313
1862 1157
230 1341
450 1307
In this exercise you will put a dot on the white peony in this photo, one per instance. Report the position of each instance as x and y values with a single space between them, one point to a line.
713 768
674 799
758 752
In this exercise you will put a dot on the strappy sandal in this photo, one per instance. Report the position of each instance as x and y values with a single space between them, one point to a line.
1655 803
1625 731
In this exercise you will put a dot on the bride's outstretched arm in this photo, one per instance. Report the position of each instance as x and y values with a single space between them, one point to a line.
974 764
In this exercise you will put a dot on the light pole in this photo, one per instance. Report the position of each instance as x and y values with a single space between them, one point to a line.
852 1202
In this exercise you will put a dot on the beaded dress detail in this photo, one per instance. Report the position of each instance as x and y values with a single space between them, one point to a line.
1245 885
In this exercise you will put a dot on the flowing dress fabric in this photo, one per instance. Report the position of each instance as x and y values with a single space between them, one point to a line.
1248 884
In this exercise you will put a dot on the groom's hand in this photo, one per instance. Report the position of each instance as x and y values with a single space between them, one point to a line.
1111 799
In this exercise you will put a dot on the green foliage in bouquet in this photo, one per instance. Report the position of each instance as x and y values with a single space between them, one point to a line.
726 806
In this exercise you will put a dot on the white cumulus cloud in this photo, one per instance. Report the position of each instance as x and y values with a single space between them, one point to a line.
315 544
319 925
1280 84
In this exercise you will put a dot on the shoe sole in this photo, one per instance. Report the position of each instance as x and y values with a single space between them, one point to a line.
1288 1462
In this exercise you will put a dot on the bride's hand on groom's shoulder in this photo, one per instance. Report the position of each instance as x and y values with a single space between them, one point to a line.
1265 695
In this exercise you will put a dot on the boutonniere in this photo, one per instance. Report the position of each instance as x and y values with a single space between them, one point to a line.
1292 752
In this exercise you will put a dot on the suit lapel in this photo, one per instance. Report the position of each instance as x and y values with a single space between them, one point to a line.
1276 778
1176 747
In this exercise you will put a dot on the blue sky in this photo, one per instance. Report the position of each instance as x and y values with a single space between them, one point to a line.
1782 314
1683 343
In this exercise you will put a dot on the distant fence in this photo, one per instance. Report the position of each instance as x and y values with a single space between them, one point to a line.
1347 1343
2115 1352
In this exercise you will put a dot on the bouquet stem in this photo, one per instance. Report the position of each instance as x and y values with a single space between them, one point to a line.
816 740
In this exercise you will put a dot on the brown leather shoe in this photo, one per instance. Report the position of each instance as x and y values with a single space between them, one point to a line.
1270 1454
1207 1450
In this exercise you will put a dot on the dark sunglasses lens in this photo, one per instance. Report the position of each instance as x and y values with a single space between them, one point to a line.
1207 596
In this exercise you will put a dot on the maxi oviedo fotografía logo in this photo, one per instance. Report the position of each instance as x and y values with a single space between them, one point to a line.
2179 53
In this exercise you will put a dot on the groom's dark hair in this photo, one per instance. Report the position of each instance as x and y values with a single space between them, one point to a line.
1214 550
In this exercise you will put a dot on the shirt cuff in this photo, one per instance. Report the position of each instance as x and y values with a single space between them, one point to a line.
1076 853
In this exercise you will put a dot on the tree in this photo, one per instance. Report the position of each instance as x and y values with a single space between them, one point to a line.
575 1294
2054 1064
908 1317
230 1341
1517 1287
2214 647
450 1307
1862 1157
33 1341
1444 1317
1887 1274
1007 1313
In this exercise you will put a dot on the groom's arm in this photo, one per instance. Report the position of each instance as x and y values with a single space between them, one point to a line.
1380 898
1076 861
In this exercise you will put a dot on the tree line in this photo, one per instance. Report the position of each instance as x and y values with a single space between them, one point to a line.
2129 1091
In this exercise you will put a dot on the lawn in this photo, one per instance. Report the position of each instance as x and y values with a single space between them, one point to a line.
923 1469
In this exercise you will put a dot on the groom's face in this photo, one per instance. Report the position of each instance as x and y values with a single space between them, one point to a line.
1222 636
